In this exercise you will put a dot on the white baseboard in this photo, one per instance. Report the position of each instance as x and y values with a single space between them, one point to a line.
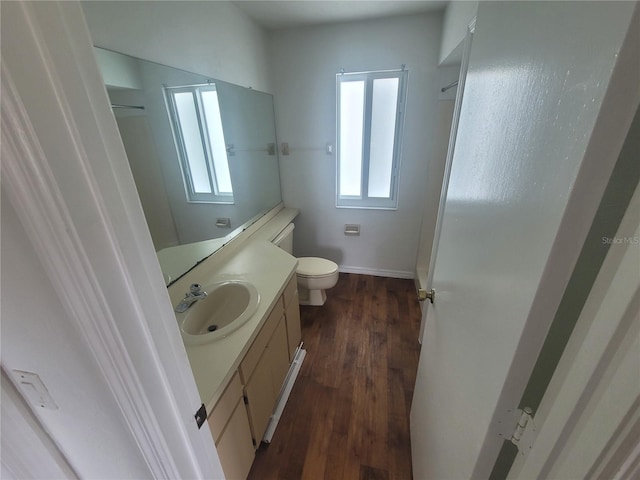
377 272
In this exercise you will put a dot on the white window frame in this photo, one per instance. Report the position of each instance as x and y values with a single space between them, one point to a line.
192 196
363 200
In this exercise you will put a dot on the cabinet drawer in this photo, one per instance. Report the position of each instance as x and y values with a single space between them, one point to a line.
250 360
221 413
290 290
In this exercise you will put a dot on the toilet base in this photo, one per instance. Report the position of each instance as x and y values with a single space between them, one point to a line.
311 297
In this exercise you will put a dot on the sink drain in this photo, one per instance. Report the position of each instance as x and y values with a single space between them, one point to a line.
212 328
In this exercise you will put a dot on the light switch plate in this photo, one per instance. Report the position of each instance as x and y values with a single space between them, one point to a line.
33 389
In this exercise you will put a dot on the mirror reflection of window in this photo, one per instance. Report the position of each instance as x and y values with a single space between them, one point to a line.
194 112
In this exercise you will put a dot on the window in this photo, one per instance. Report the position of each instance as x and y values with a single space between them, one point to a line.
197 128
370 118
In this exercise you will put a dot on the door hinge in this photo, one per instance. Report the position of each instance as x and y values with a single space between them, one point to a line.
525 420
201 415
253 440
246 399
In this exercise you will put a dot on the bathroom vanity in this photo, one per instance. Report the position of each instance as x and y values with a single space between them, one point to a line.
223 244
240 376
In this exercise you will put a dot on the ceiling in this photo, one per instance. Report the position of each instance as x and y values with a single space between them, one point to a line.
295 13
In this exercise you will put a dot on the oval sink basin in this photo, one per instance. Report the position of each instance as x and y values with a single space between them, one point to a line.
227 306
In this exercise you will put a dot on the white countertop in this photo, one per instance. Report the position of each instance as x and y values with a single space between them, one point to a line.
269 268
176 260
253 258
274 226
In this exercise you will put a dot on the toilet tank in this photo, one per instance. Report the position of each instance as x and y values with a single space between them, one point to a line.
284 239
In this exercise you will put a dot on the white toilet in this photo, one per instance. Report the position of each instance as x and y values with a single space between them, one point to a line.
315 275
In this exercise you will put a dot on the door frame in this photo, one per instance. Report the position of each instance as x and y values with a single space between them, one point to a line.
76 198
462 77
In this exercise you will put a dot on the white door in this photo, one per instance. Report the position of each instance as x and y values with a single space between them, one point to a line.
588 421
537 140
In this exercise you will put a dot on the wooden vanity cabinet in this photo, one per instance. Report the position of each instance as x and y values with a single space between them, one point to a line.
240 417
231 431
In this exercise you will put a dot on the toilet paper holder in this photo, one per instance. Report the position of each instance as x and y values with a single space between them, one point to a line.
352 229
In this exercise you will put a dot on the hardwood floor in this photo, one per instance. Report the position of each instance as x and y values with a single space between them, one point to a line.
348 414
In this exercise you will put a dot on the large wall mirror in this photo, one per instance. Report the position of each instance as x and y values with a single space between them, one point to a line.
202 152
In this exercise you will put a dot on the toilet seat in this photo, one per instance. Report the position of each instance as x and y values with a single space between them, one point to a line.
315 267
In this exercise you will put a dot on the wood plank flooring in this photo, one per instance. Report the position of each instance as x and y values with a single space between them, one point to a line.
348 414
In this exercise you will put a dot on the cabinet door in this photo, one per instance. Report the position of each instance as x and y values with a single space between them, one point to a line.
278 358
260 397
294 334
254 355
265 383
235 447
224 408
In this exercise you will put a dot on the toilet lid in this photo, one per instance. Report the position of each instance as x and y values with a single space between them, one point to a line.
315 267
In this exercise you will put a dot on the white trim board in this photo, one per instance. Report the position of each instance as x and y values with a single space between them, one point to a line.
377 272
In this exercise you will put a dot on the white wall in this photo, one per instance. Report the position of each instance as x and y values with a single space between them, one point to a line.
305 62
445 116
23 439
454 29
211 38
137 139
118 70
38 336
88 237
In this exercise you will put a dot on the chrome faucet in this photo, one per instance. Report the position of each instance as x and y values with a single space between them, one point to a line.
194 294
